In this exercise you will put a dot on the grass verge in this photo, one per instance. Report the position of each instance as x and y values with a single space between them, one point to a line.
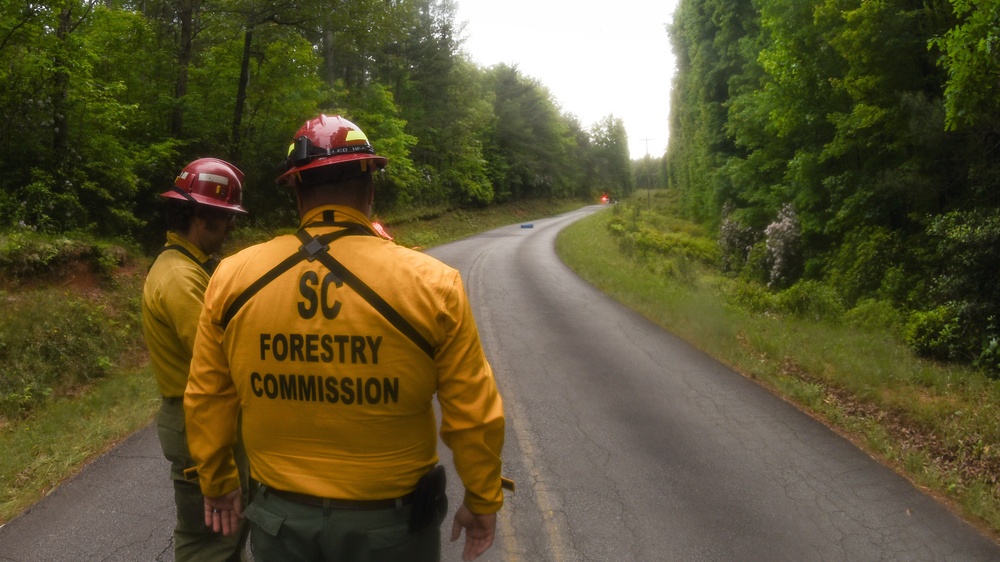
935 424
63 435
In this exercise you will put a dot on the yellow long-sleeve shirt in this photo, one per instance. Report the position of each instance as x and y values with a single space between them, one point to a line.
172 297
336 402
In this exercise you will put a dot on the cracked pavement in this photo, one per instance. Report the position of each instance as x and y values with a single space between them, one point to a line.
628 444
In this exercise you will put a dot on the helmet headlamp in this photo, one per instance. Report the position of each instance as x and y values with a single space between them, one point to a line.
327 142
303 150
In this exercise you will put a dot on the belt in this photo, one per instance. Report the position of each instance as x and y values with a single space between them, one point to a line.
333 503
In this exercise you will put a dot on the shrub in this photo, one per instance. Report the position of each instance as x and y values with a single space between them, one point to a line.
875 314
26 254
638 235
747 296
783 252
811 299
936 333
989 354
50 343
53 340
736 240
904 288
43 204
860 266
650 241
968 245
989 357
756 269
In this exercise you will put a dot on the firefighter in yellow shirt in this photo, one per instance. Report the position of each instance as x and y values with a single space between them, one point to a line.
201 209
333 342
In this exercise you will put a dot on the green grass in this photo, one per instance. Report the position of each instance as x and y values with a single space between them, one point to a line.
937 424
69 331
54 340
63 435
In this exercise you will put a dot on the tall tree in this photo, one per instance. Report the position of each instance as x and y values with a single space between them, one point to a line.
971 57
186 11
610 148
529 135
104 101
709 42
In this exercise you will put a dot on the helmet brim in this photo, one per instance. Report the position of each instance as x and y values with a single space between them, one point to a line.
378 161
202 200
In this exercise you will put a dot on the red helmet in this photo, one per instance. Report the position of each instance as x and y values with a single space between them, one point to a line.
210 181
328 141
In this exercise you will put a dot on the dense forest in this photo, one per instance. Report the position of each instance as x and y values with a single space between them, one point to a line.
103 102
848 144
853 145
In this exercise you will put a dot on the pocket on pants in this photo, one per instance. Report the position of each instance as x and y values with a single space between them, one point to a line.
173 440
264 519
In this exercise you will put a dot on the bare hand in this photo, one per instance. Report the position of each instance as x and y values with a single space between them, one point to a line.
223 513
479 531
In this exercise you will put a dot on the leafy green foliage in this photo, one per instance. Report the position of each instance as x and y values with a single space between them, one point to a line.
610 146
989 355
671 247
875 315
104 103
736 240
860 265
936 333
969 54
52 343
811 299
526 136
69 316
877 122
400 183
24 254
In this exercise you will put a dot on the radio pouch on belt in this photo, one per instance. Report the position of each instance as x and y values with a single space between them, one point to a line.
430 499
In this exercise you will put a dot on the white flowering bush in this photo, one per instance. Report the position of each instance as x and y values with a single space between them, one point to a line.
782 239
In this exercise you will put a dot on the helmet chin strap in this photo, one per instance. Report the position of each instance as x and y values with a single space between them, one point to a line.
184 193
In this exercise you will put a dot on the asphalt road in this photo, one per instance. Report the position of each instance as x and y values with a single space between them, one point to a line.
625 443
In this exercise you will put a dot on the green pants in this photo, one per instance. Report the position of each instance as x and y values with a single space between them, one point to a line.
285 531
193 540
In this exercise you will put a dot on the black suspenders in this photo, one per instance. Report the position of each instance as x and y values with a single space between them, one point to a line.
317 248
208 265
273 274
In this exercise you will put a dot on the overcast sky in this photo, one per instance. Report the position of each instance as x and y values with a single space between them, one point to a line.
596 58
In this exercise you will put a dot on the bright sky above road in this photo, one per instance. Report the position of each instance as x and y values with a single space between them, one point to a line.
596 58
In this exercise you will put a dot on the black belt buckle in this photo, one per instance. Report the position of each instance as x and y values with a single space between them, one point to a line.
430 499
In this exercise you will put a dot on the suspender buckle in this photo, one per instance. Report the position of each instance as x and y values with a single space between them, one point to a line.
313 248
